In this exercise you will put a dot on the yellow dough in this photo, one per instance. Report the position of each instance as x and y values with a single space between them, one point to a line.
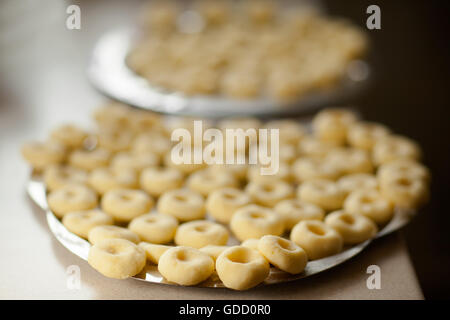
198 234
57 176
350 160
293 211
312 147
305 169
103 180
213 250
241 268
394 148
114 139
89 159
268 193
357 181
100 233
206 181
317 239
253 221
221 204
154 228
186 168
136 162
185 266
369 203
71 197
126 204
251 243
43 154
69 136
405 191
290 131
117 258
154 251
364 135
159 180
323 193
404 167
283 254
81 222
331 125
183 204
239 171
354 228
151 142
284 174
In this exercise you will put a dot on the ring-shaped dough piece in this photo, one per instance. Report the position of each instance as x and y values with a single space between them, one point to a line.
350 160
183 204
283 254
137 162
154 251
69 136
214 251
126 204
394 148
57 176
364 135
206 181
99 233
405 191
354 228
71 197
323 193
186 168
331 125
317 239
357 181
290 131
253 222
223 203
115 139
314 148
103 180
369 203
404 167
151 142
185 266
269 193
255 174
81 222
117 258
199 234
89 159
239 171
43 154
154 228
294 210
159 180
305 169
241 268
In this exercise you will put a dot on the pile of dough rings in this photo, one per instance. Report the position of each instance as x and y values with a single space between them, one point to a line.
340 181
244 50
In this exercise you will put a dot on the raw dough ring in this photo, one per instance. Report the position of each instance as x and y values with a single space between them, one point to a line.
205 181
293 211
158 180
394 148
354 228
269 192
357 181
154 228
331 125
81 222
185 266
126 204
241 268
405 191
71 197
317 239
69 136
89 159
350 160
369 203
305 169
183 204
323 193
253 222
364 135
198 234
117 258
106 179
283 254
223 203
97 234
40 155
57 176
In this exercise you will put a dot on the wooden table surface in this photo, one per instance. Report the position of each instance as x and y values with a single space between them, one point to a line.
43 84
